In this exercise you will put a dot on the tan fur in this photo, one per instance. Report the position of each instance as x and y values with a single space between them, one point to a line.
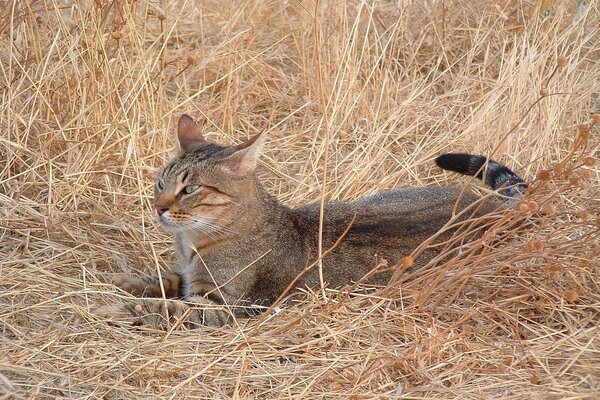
236 245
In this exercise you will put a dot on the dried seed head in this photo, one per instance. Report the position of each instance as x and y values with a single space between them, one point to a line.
584 215
522 206
162 16
571 296
574 180
541 305
529 246
138 307
562 61
559 169
589 161
534 379
596 118
150 11
587 174
533 206
538 245
585 185
408 261
550 210
583 127
191 60
544 175
544 92
584 130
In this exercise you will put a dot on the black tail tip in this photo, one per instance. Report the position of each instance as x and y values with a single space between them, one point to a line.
458 162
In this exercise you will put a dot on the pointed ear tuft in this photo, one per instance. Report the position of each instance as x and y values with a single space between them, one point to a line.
188 133
245 157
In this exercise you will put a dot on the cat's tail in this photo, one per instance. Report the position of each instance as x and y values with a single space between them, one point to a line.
495 175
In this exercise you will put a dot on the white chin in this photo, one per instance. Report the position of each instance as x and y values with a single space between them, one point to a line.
167 225
170 226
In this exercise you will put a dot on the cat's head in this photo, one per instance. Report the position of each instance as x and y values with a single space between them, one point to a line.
207 185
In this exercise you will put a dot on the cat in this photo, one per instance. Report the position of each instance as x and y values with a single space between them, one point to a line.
237 246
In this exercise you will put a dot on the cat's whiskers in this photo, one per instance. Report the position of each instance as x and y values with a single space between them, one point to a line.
217 232
206 229
196 224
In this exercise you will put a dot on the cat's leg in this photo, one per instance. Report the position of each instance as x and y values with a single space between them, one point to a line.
202 308
151 312
149 286
210 313
156 312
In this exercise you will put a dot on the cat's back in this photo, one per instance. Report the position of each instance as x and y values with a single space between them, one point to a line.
411 199
387 224
390 218
394 203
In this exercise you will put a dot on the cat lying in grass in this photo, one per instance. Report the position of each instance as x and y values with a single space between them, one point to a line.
237 246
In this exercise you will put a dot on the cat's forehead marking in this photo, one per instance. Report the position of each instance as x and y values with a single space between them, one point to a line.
206 150
181 164
167 168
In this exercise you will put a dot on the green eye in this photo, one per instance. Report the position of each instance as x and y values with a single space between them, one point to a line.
190 189
160 185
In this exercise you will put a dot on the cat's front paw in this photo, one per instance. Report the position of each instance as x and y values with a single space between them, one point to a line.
149 312
150 286
161 313
117 314
135 286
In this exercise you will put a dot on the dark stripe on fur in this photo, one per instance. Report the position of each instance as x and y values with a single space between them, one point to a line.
184 176
182 285
201 153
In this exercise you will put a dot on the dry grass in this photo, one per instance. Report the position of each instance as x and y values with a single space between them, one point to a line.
356 97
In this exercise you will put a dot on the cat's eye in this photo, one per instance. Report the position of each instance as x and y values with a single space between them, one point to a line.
190 189
160 185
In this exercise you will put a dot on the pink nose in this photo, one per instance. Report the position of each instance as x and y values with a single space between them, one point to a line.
160 210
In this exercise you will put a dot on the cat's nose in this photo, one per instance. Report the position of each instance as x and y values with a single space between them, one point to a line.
160 210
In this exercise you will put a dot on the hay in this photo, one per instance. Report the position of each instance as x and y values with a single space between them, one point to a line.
358 96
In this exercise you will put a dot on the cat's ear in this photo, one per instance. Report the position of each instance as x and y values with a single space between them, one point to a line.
245 156
189 133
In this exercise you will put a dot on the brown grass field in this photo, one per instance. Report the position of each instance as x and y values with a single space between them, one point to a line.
355 97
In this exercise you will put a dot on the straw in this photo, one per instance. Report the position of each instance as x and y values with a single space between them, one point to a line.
360 96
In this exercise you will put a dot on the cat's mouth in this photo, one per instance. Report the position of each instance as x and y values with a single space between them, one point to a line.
166 222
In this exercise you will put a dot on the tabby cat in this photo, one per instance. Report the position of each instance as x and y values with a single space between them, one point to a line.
237 246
